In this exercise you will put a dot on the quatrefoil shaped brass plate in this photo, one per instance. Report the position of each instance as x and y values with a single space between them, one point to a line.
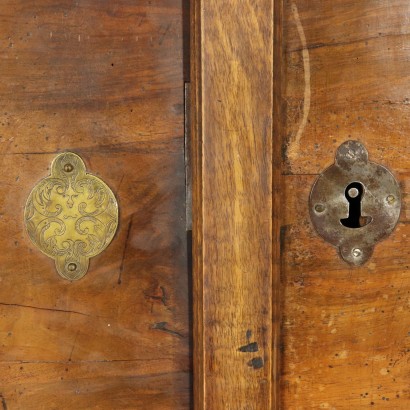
71 216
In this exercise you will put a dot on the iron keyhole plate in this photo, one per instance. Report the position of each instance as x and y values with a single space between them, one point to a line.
355 221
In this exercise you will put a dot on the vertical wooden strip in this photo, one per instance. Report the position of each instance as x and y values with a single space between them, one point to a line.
197 208
278 202
235 304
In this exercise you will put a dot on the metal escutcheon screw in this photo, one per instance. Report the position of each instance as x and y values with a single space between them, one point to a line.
68 167
319 208
391 199
72 267
357 252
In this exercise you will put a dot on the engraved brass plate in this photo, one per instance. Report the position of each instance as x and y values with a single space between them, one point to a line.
71 216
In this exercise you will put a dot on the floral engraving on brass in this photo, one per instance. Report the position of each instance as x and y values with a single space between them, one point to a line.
71 216
355 203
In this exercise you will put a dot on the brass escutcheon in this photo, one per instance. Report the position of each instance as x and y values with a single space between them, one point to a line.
71 216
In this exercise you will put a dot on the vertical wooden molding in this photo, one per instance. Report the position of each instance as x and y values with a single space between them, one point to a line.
278 200
197 209
235 201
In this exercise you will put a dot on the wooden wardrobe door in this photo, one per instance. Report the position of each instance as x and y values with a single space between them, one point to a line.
103 79
345 329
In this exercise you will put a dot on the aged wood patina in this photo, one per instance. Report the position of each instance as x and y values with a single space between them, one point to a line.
104 80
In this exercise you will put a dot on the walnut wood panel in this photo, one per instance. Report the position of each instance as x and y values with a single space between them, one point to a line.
105 80
354 55
345 330
232 92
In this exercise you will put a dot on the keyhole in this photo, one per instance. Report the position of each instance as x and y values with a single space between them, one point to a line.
354 193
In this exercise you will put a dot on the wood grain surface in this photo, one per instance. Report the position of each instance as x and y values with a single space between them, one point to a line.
105 80
346 339
232 80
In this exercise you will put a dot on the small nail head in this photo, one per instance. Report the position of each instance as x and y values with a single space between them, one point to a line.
356 252
72 267
351 154
319 208
391 199
68 167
